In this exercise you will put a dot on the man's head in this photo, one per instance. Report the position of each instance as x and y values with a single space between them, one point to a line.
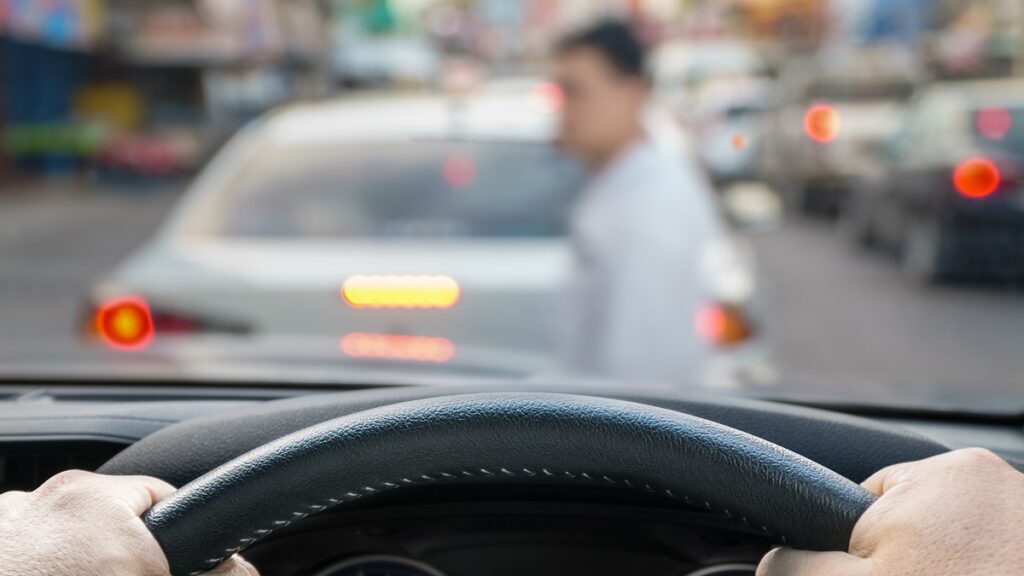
603 73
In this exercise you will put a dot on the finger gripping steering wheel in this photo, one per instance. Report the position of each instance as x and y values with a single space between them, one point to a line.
506 438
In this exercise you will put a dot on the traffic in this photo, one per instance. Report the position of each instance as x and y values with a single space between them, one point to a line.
407 194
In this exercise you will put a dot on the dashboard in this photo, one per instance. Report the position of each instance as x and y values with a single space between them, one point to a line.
453 530
379 566
529 536
395 566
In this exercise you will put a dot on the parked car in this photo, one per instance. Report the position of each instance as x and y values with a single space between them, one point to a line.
729 120
153 156
833 113
404 229
950 198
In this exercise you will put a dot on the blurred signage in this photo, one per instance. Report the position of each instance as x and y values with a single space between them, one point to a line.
377 16
906 20
171 33
65 23
208 31
795 21
304 31
371 16
252 25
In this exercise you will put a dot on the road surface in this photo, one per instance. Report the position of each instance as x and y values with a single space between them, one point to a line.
848 318
55 240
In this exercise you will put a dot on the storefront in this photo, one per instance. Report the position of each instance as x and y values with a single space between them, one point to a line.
203 68
145 86
46 50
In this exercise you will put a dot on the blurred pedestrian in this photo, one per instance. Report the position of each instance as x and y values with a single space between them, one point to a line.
641 226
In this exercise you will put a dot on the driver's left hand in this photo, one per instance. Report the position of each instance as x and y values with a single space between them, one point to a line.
83 524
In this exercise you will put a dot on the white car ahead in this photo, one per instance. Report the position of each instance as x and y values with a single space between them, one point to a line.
415 229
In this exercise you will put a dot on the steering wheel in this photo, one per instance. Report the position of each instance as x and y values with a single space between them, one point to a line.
506 438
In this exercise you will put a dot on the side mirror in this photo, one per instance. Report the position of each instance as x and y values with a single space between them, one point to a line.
753 207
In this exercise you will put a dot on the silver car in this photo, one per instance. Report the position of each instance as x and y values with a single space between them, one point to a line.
401 229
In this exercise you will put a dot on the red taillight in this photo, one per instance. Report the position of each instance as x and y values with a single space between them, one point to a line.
459 171
124 323
722 324
548 97
397 347
169 323
822 123
993 123
976 178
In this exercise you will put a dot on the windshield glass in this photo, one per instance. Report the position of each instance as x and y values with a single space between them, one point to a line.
814 200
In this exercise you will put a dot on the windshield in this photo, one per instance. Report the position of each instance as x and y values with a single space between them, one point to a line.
815 200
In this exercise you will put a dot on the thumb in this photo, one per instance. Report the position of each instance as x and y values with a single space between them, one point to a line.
790 562
234 566
885 479
140 493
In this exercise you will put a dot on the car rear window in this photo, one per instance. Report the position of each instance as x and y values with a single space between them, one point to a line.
407 190
853 91
1000 129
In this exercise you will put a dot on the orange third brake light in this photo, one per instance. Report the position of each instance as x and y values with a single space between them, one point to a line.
424 292
125 323
397 347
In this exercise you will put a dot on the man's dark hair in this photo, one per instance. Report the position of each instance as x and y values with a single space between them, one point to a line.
616 41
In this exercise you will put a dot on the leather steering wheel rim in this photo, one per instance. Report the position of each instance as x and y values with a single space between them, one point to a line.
494 438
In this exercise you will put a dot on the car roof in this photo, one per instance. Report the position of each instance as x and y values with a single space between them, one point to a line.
381 118
720 94
982 93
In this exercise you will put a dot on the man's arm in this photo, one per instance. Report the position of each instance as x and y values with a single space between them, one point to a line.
958 514
83 524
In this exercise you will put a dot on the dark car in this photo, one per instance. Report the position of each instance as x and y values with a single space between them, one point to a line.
949 198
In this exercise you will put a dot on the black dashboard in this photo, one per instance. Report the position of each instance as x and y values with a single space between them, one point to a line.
529 536
453 530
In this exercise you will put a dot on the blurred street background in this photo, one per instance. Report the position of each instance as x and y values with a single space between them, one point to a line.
805 97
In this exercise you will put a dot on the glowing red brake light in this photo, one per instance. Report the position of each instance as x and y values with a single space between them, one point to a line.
459 171
397 347
722 324
124 323
822 123
976 178
548 97
993 123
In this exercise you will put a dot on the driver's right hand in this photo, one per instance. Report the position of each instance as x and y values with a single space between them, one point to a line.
83 524
958 514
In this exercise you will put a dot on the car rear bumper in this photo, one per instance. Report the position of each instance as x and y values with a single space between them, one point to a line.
745 366
984 247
